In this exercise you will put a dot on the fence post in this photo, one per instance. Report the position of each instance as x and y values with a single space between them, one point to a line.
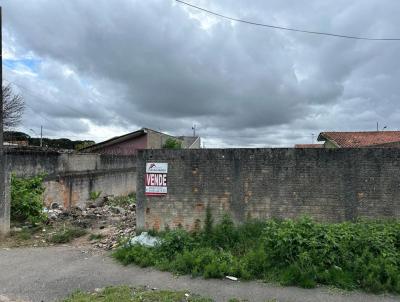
5 208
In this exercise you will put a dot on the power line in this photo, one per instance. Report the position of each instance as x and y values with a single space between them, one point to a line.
286 28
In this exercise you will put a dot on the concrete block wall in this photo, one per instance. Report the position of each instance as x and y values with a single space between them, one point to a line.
71 177
326 184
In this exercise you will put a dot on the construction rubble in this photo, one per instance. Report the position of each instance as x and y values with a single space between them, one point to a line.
107 221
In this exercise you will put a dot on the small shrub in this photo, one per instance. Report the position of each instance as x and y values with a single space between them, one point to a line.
94 195
66 235
225 235
171 143
208 222
348 255
26 199
138 254
255 263
123 201
174 242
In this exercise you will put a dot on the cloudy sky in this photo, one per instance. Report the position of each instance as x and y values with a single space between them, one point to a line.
96 69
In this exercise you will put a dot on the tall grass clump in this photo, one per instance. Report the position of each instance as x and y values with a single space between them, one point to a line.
349 255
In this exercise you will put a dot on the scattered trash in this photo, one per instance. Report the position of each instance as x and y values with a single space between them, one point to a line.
231 278
145 239
54 206
187 295
113 222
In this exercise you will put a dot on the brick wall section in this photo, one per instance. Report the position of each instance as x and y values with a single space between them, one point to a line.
326 184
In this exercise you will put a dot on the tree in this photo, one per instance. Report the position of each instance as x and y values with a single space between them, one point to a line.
171 143
13 107
83 144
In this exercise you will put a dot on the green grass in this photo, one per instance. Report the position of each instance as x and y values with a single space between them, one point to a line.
66 235
123 201
360 255
127 294
27 233
24 235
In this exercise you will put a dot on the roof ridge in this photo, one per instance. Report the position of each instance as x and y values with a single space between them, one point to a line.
374 131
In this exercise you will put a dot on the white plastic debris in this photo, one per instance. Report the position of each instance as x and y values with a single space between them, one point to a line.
145 239
231 278
187 295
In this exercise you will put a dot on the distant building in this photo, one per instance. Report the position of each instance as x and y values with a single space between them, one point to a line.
190 142
145 138
356 139
370 139
14 138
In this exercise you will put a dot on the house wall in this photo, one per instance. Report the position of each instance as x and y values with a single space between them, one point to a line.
156 140
191 142
196 144
327 184
69 178
329 145
128 147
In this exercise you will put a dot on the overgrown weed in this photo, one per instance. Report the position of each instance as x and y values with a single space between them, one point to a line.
67 234
349 255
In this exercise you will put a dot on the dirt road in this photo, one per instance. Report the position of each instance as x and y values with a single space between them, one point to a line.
49 274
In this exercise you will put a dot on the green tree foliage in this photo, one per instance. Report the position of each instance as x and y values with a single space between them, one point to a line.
15 136
171 143
58 143
84 144
27 199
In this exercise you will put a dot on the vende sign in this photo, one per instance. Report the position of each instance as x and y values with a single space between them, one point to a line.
156 179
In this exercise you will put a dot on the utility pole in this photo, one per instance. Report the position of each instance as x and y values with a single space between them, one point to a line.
4 205
41 136
194 130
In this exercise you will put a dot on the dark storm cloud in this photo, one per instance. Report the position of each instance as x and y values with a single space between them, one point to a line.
158 64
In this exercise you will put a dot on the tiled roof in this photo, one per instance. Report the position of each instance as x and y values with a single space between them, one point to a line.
309 146
360 139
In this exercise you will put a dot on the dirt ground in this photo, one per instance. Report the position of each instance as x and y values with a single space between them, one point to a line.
52 273
105 221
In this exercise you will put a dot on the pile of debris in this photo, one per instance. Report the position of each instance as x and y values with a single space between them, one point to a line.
106 220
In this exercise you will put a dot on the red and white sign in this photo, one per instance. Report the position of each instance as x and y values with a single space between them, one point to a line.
156 179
